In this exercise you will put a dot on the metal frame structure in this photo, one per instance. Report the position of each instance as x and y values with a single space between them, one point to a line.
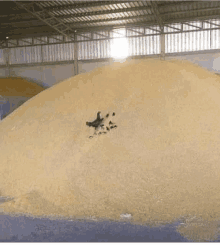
155 23
98 35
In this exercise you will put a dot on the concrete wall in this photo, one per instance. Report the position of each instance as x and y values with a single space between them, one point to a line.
43 75
89 66
3 72
210 60
12 103
48 75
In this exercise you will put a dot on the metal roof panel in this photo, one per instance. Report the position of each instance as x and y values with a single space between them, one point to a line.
98 12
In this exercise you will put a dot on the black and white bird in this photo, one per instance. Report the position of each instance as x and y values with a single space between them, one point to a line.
97 122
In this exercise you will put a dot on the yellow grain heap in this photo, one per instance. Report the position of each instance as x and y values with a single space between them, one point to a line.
17 86
160 163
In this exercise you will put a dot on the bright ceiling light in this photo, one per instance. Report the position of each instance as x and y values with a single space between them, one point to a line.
119 47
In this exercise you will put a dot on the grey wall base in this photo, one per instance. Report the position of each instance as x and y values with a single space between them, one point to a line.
48 75
13 102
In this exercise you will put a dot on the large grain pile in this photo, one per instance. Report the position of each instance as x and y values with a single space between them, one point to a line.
17 86
160 163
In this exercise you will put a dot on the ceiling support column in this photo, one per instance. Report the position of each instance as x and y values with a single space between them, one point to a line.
76 70
162 46
7 61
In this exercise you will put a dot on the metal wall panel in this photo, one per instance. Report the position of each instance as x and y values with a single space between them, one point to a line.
215 39
146 45
58 52
94 50
25 41
84 36
12 43
40 40
172 28
17 55
135 31
2 60
100 34
192 41
138 44
56 39
33 54
152 31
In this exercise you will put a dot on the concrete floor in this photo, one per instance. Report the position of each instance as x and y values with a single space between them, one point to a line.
20 228
27 229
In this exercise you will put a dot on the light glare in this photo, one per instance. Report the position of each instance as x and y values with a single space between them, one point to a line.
119 47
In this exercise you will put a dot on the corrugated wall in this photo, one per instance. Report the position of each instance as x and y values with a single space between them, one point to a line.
2 60
44 53
193 40
140 44
141 41
147 45
94 50
58 52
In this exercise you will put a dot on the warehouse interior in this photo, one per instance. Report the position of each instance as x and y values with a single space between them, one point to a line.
65 62
48 41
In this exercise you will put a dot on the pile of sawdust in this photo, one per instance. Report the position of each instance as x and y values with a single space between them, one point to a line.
159 164
17 86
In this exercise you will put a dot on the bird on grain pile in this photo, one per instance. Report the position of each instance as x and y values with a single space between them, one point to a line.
97 122
100 123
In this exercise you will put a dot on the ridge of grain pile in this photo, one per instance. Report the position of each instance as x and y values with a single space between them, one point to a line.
18 86
159 164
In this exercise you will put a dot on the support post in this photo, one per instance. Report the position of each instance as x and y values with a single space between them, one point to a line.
75 54
162 45
2 102
42 54
7 61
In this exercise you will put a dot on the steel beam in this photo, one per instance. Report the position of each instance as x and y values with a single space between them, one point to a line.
138 32
3 45
41 15
197 27
7 59
100 34
108 59
150 28
28 42
97 3
172 27
162 46
190 31
76 68
156 13
210 22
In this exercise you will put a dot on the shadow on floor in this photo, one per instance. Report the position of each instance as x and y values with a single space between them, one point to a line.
27 229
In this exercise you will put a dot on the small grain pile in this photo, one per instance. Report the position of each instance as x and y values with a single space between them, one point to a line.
17 86
159 164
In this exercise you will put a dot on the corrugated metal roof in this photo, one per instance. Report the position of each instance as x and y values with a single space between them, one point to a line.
83 15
